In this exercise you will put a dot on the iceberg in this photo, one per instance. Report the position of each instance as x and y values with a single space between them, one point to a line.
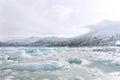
117 43
74 60
18 54
116 62
45 65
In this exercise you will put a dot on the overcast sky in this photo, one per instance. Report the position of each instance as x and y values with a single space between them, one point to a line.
59 18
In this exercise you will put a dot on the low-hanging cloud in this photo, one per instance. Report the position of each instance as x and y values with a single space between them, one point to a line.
42 18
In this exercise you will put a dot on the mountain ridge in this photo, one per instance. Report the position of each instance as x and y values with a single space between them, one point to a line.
107 33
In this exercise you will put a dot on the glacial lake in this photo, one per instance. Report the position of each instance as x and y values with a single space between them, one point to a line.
60 63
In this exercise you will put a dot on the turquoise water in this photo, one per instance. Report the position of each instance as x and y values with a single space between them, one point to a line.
59 63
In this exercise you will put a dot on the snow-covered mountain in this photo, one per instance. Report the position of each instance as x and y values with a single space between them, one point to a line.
104 33
24 41
33 41
109 28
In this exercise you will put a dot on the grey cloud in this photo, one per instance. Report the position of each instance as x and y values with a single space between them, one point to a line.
44 17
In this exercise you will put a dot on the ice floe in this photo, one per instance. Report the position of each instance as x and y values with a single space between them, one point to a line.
46 65
74 59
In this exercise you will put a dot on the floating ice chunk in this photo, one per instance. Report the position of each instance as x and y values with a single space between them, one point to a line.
46 79
117 43
116 62
10 62
24 55
37 53
9 77
4 57
99 79
79 78
46 65
85 62
19 54
75 60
